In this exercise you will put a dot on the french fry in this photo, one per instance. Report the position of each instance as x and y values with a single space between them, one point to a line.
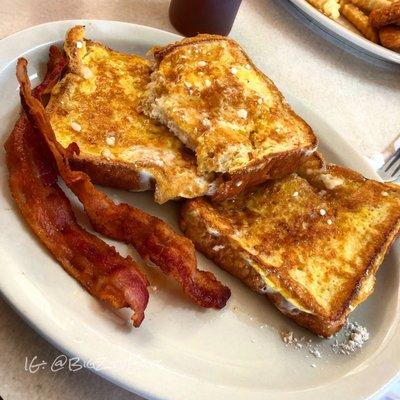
390 37
329 7
369 5
360 20
385 16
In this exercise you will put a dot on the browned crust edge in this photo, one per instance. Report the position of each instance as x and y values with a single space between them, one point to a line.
77 33
273 166
114 174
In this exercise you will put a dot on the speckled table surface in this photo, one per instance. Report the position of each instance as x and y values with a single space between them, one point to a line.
360 100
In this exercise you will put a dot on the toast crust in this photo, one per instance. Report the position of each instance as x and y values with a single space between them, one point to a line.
212 231
95 106
260 167
272 167
116 174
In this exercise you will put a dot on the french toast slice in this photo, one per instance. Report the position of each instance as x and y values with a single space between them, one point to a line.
312 243
95 106
210 95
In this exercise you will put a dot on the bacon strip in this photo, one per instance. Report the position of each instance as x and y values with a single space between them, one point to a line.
154 240
33 182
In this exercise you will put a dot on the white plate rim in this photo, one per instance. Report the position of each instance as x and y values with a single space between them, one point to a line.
342 33
55 336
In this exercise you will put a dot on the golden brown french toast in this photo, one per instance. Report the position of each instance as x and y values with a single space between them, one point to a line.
210 95
95 106
312 243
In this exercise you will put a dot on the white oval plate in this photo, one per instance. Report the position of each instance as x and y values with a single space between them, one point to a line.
345 33
182 352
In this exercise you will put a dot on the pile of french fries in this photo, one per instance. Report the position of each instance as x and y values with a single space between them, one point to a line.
377 20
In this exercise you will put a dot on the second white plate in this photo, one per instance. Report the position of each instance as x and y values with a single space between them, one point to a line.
344 33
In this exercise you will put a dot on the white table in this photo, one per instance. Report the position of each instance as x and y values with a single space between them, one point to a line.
360 100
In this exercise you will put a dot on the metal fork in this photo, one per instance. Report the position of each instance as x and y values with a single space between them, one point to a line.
390 171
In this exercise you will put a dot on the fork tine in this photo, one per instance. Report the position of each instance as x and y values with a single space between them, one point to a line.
395 157
392 173
396 170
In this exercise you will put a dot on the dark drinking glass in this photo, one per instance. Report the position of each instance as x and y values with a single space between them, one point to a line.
191 17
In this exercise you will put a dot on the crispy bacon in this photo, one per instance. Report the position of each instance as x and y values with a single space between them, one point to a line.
33 182
154 240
